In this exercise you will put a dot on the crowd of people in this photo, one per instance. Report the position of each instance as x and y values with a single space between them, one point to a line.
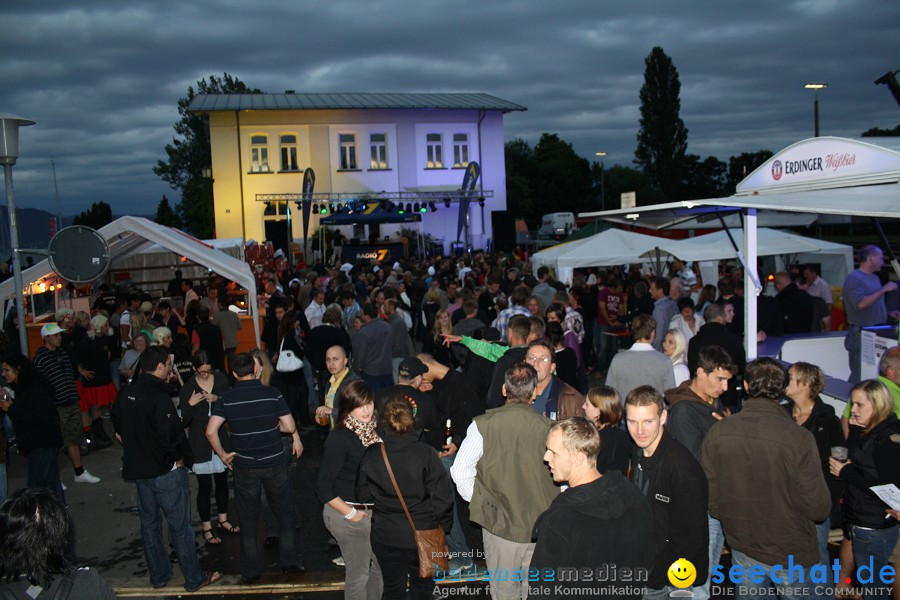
548 429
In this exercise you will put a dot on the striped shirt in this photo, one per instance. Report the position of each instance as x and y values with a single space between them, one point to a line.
56 366
252 411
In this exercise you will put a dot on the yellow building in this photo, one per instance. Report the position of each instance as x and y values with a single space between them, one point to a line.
394 148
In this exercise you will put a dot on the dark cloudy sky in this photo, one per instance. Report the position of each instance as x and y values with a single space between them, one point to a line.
102 78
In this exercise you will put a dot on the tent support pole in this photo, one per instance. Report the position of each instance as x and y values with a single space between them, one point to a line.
887 245
751 282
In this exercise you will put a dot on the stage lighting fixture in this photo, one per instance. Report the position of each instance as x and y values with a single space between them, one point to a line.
423 209
323 210
416 207
481 201
400 210
270 209
315 208
432 207
447 202
409 207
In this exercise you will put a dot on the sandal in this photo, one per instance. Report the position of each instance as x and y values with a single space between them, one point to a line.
208 578
229 528
211 538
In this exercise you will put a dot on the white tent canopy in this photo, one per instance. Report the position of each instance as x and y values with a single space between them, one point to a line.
127 236
824 175
607 248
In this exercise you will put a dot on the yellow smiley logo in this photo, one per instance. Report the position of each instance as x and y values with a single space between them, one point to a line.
682 573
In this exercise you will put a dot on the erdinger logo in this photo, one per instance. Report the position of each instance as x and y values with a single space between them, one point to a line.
777 170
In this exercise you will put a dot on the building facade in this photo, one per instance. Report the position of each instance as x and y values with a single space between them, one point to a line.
397 148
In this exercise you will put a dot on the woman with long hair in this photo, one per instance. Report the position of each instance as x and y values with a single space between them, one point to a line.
603 406
431 304
350 521
34 555
294 382
434 341
809 411
675 347
30 404
535 306
425 486
874 459
197 396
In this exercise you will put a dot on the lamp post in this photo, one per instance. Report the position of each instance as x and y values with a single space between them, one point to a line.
9 152
816 87
602 181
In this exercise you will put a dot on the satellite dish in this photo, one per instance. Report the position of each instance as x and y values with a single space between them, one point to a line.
79 254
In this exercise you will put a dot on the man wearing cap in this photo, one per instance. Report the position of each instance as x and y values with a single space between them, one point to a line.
58 370
409 376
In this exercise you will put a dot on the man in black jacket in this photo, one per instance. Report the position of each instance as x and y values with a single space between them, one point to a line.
715 333
601 524
156 457
674 484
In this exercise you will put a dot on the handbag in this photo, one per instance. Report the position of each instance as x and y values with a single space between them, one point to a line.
288 362
434 556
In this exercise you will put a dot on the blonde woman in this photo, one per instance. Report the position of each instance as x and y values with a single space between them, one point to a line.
433 343
95 384
675 347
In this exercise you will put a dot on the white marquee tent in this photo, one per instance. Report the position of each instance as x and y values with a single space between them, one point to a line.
128 236
825 175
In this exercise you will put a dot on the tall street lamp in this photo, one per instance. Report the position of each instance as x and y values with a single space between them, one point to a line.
9 152
816 87
602 182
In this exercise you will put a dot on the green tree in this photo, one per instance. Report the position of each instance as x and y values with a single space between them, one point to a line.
97 216
562 178
165 215
619 179
742 165
519 157
703 178
662 138
190 153
881 132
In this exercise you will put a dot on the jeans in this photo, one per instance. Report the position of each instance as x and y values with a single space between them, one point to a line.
362 575
397 565
4 486
43 471
873 547
168 496
853 345
716 542
312 398
766 588
822 531
248 485
456 541
604 346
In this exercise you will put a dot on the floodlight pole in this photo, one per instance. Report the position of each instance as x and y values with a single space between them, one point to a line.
17 264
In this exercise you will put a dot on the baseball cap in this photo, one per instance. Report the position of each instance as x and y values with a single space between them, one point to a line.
62 313
411 367
50 329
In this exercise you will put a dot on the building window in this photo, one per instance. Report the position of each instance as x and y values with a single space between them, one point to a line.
434 151
259 154
378 148
289 153
348 150
460 150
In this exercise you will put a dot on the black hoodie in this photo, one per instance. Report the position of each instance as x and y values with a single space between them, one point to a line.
690 417
594 526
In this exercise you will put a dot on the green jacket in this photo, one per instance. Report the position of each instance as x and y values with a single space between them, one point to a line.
513 486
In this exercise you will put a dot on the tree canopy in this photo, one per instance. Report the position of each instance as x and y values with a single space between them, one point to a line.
165 215
190 154
662 137
98 215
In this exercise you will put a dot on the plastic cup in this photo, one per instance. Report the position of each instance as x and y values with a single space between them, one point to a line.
840 453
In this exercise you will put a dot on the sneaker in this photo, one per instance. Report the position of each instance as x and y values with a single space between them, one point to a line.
86 477
459 566
339 561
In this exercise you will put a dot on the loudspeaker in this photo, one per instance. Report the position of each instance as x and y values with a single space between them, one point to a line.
504 229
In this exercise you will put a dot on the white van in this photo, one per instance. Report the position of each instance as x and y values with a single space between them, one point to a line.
556 225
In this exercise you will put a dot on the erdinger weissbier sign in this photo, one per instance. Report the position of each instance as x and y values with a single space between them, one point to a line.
822 162
468 187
